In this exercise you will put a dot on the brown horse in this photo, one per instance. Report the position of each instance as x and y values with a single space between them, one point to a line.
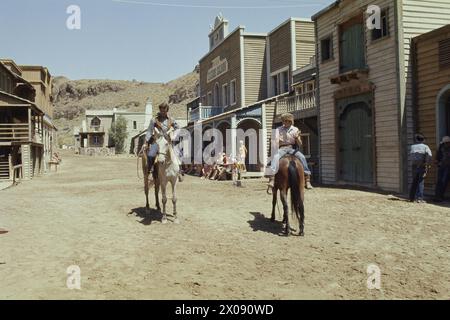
290 175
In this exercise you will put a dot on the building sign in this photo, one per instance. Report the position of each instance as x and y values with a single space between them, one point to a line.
219 67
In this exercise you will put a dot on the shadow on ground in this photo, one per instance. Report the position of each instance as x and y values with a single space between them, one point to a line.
261 223
147 216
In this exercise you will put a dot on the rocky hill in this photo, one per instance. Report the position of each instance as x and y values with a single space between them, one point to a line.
72 97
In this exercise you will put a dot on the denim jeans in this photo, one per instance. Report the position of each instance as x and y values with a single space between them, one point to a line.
442 181
418 184
284 151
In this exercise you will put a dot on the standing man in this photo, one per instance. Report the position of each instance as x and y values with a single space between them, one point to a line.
289 142
443 162
421 158
163 122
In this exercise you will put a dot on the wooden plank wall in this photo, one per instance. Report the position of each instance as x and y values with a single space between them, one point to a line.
280 47
430 80
305 45
381 59
229 49
418 17
255 69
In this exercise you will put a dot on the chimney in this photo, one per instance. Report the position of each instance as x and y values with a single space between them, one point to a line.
148 113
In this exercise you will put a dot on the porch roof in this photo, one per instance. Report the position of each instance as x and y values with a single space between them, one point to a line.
9 100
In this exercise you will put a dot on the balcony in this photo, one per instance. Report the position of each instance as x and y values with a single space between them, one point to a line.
14 132
93 129
302 104
203 112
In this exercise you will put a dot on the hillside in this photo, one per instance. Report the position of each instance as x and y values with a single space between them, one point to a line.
73 97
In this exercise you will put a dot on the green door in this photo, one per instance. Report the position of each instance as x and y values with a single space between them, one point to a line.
352 47
356 143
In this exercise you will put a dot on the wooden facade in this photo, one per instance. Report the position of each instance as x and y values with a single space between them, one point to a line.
431 75
365 76
253 61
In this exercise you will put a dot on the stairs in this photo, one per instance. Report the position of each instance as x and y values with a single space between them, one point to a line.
4 170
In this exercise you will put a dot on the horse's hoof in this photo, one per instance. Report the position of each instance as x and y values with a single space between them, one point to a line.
164 221
302 234
176 221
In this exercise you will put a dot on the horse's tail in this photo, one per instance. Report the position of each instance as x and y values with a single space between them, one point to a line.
295 178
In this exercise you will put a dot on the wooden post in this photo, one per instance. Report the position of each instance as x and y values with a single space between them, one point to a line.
29 124
11 171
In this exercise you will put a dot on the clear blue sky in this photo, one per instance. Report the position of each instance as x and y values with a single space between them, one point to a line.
130 40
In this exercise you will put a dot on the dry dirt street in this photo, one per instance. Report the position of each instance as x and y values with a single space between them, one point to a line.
90 214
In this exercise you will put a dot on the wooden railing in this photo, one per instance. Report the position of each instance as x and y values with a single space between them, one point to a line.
297 102
204 112
92 129
14 132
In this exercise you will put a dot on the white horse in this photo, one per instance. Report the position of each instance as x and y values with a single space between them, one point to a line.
168 168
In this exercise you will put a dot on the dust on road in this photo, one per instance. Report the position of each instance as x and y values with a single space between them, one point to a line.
91 214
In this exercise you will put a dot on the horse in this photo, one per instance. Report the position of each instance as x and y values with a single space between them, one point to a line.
166 169
290 175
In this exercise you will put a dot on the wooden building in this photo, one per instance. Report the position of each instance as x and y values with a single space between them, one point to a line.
241 78
24 140
432 90
365 88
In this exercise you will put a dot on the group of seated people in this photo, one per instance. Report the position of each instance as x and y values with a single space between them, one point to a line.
221 170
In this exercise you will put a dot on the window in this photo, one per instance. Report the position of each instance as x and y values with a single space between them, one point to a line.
352 45
225 95
209 99
216 95
310 86
280 83
95 122
233 92
134 125
326 49
96 140
384 30
285 79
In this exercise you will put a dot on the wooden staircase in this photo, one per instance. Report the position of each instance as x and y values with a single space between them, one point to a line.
4 170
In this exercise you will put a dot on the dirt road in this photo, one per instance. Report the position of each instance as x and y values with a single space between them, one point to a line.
90 214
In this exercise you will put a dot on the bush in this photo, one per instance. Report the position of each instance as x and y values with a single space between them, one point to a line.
119 133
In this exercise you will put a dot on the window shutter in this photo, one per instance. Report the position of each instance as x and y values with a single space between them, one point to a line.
444 54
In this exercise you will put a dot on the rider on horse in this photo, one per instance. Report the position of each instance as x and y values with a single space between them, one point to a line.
163 123
289 142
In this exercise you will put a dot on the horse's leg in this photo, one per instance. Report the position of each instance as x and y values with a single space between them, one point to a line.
302 209
156 184
274 203
146 185
164 200
283 195
147 205
174 200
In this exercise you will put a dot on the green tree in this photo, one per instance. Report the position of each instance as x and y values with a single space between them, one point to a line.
119 133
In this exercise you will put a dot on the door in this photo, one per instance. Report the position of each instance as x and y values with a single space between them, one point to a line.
356 143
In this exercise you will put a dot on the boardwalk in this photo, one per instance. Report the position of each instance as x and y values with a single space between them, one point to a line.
90 214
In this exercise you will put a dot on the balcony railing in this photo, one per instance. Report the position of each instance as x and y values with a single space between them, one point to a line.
204 112
298 102
14 132
93 129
